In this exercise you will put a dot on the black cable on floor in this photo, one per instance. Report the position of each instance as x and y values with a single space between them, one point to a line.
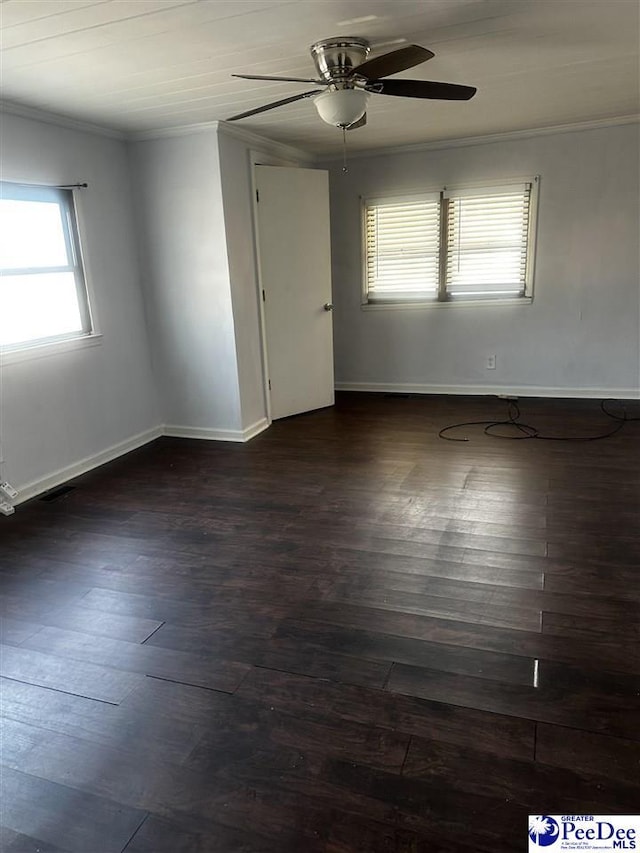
513 422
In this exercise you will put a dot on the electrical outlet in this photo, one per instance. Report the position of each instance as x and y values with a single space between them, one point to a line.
7 489
6 508
490 363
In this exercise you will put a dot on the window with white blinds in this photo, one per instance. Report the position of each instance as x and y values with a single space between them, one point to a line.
402 247
487 242
462 244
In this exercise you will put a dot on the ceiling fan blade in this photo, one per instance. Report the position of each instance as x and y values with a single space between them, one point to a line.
360 123
273 105
421 89
393 62
286 79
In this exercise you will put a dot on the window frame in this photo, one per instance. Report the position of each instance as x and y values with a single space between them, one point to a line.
443 299
65 199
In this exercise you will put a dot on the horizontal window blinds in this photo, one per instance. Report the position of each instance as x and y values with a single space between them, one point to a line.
402 249
487 236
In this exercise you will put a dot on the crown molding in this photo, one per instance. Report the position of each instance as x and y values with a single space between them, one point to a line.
507 136
23 111
285 151
254 140
171 132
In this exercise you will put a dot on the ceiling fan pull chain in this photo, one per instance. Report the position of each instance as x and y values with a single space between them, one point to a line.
344 149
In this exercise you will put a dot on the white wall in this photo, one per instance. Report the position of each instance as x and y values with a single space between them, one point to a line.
581 334
62 408
186 282
194 202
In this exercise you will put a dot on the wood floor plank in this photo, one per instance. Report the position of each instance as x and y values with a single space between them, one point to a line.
119 627
555 699
373 566
129 658
313 732
128 725
575 604
432 809
602 629
274 653
14 631
460 609
18 842
160 835
139 778
184 703
582 577
597 754
32 598
348 835
597 652
525 783
63 817
42 668
387 647
503 735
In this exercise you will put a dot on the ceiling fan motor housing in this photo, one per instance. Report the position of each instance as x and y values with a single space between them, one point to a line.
335 58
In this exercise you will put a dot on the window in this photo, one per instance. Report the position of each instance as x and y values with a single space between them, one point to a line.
402 240
43 296
459 245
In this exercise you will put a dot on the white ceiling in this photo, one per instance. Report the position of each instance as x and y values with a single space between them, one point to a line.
139 65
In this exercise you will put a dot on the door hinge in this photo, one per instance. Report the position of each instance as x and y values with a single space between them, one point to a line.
264 296
257 195
269 381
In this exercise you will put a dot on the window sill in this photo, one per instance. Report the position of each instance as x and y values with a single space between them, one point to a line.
11 355
469 303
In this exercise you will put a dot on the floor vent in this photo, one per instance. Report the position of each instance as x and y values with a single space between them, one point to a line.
56 494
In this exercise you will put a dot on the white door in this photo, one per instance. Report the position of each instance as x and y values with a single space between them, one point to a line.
295 275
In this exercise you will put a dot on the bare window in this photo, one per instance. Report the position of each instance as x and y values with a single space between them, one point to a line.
43 296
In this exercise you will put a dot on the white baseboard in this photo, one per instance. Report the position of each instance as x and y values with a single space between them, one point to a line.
481 390
239 435
83 466
63 475
256 428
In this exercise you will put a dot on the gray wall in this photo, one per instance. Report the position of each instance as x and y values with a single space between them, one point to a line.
194 201
581 334
74 405
186 280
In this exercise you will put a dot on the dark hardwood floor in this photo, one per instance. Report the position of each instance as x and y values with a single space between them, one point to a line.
347 635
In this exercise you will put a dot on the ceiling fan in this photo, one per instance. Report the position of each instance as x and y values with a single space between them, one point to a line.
348 77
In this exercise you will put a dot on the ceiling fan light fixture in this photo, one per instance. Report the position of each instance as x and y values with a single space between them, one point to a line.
341 107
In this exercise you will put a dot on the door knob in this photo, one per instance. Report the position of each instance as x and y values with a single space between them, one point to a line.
328 306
